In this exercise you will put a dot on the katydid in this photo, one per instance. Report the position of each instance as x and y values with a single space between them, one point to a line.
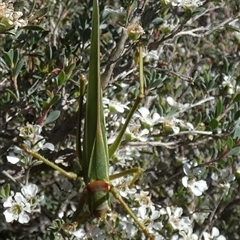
94 155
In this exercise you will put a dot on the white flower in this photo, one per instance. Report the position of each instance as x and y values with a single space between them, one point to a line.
197 187
222 179
228 83
17 209
152 57
176 220
29 191
146 118
33 140
176 124
21 23
13 159
140 136
200 217
115 105
173 103
48 146
122 184
215 235
148 218
143 199
124 155
189 235
18 155
191 4
30 131
80 233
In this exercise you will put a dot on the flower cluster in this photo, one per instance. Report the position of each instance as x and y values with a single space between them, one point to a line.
134 31
33 140
20 204
169 123
188 4
222 179
230 83
10 18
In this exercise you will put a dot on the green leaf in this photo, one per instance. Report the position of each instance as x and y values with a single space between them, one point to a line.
230 143
69 69
61 78
198 119
45 105
54 115
155 84
12 94
5 191
219 108
36 163
18 68
234 151
49 52
16 57
34 28
5 23
54 100
8 57
213 124
237 98
237 115
179 90
236 134
172 111
39 14
210 84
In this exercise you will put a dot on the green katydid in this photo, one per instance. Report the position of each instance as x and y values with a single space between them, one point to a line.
94 159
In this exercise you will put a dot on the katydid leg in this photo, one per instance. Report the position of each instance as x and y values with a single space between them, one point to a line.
136 171
131 213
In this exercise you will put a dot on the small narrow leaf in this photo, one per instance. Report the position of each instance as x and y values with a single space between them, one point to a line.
39 14
34 28
230 143
61 78
198 119
18 68
8 59
219 108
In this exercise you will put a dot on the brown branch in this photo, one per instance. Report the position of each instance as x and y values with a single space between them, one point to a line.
115 56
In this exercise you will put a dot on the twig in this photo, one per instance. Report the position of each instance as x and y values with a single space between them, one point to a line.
193 105
212 215
106 77
169 145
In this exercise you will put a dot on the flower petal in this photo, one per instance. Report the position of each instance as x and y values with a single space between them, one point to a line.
13 159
